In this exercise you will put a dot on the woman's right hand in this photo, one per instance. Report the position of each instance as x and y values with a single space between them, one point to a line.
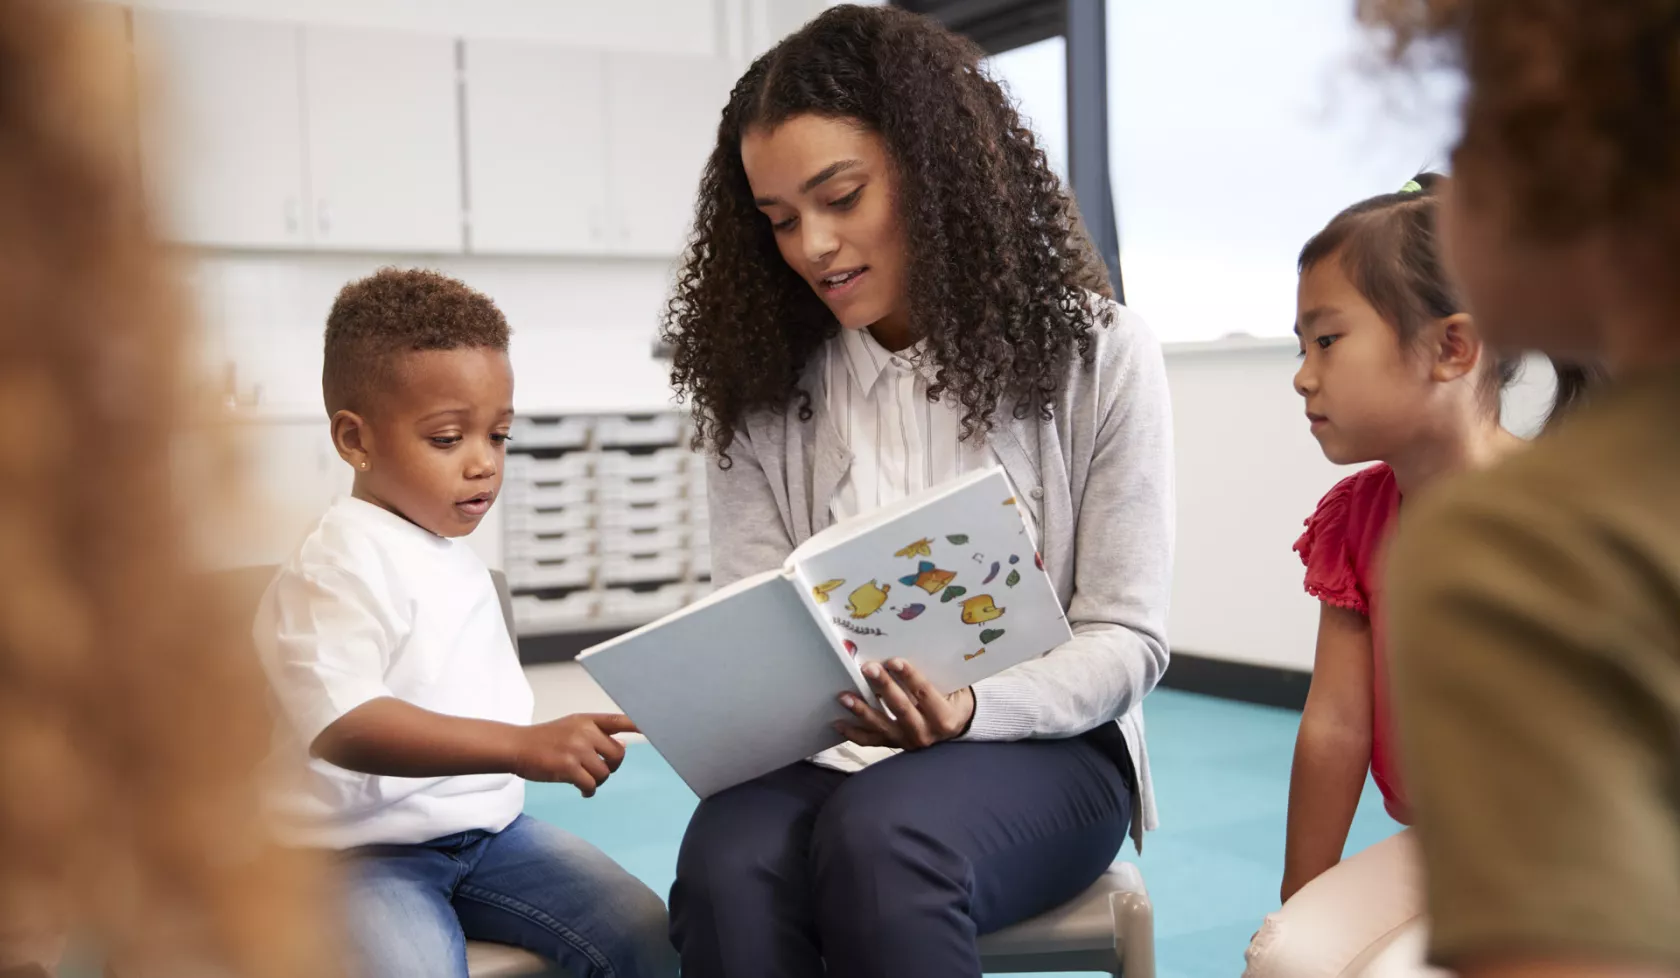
578 750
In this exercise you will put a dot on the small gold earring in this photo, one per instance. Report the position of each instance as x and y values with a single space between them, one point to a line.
364 466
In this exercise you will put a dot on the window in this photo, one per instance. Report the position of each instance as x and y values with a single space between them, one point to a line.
1236 131
1036 75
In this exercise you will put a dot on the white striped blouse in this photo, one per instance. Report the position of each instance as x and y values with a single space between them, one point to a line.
900 442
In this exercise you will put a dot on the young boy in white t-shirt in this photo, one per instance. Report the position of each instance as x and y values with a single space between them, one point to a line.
399 686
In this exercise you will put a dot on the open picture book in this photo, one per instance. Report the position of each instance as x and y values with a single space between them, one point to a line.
748 679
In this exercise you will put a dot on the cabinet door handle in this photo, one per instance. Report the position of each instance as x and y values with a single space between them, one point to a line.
291 215
323 217
597 223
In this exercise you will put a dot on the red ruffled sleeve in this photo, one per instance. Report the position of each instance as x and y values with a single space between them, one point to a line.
1326 549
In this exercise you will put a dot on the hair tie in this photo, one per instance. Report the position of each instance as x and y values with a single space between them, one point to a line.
1412 187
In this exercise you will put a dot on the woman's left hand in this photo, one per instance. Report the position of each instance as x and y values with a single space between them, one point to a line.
921 717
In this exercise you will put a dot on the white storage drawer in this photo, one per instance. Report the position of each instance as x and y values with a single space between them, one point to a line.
623 604
548 496
633 431
528 574
652 489
554 546
652 540
668 462
566 519
552 432
643 568
700 562
642 516
568 467
535 616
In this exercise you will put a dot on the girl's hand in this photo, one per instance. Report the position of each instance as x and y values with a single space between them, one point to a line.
920 716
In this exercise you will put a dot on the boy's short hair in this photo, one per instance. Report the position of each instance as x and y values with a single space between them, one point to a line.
396 311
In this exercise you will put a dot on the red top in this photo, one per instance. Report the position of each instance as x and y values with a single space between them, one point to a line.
1341 549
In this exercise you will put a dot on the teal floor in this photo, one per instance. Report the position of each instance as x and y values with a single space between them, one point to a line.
1221 775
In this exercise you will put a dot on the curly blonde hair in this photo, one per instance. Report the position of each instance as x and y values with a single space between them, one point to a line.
1573 111
131 724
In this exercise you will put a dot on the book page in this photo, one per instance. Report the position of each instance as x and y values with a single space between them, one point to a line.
953 584
859 525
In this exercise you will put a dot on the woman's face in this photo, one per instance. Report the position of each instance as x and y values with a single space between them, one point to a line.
826 187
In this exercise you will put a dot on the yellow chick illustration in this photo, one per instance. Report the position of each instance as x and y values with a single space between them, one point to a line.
979 610
921 548
821 591
868 599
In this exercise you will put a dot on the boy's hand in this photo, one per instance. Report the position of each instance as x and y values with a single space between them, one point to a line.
578 750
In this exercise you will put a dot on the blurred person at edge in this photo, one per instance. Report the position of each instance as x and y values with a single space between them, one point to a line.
130 727
1534 605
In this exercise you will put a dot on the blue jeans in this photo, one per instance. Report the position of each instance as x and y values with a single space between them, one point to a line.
412 908
894 871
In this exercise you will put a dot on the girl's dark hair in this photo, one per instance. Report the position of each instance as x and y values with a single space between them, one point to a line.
1388 249
998 260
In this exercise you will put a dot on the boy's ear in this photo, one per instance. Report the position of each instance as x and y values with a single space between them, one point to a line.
352 438
1457 346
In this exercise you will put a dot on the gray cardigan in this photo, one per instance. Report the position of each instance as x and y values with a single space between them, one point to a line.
1099 479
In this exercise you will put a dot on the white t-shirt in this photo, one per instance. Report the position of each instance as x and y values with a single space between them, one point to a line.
901 443
371 606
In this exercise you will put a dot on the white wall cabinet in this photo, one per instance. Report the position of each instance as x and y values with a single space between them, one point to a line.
664 113
274 136
352 139
574 152
222 134
536 132
384 140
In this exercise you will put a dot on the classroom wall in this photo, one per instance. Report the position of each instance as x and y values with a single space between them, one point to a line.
1249 473
659 26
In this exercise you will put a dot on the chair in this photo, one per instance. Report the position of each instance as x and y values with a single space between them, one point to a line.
1109 928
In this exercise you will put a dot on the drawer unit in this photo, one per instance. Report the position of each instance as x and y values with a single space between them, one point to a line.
624 604
642 568
651 540
566 468
534 615
569 432
642 516
566 519
536 574
605 517
663 463
634 431
557 495
648 489
551 546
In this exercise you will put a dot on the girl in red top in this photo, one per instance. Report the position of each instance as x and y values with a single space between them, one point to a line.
1393 372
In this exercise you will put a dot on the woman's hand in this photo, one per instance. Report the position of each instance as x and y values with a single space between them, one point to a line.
920 716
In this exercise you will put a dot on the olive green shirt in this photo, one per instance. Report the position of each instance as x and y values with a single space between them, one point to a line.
1535 650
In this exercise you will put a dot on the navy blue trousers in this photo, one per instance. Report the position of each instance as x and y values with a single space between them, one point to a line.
896 870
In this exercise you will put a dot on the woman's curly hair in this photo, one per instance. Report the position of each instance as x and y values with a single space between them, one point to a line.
999 261
1573 109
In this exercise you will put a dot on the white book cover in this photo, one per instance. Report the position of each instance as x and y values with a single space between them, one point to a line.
748 679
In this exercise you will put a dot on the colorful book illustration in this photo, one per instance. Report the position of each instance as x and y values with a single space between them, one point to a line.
748 679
